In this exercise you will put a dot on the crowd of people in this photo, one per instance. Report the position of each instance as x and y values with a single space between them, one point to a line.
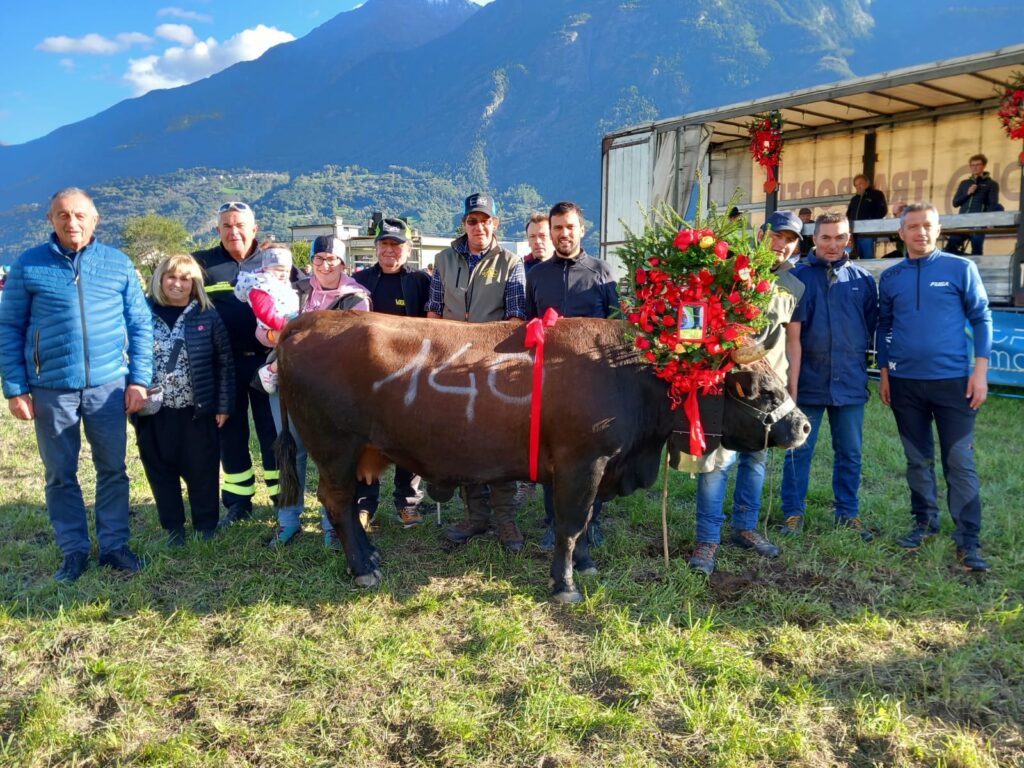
192 362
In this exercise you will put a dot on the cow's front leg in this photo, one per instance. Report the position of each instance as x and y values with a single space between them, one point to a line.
574 491
361 555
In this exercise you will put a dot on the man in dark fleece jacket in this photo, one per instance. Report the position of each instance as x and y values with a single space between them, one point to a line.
978 193
868 203
924 303
575 285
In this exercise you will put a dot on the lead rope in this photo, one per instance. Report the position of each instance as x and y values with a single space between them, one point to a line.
664 511
771 490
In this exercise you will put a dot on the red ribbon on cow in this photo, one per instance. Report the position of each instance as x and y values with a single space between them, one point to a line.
535 338
692 409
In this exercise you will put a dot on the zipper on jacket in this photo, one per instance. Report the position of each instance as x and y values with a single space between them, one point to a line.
81 310
458 277
917 263
38 359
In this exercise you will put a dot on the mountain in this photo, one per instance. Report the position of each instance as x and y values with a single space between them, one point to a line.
517 92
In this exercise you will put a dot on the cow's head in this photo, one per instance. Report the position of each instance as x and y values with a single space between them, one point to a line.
759 411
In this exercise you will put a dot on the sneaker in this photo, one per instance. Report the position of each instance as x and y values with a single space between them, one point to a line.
703 558
331 541
268 378
466 529
176 537
510 536
971 560
917 536
409 517
366 519
547 542
856 524
122 559
755 541
235 514
284 536
595 535
792 526
72 568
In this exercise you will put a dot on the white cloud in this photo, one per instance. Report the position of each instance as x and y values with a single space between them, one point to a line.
178 33
92 43
183 65
179 13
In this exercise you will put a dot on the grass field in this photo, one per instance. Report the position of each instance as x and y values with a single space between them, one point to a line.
228 654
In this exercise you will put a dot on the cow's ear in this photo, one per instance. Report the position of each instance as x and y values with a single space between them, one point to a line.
744 384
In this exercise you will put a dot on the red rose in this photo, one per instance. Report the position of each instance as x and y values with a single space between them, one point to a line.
722 250
651 357
763 287
730 333
634 318
642 343
751 312
734 298
668 320
685 239
641 277
653 261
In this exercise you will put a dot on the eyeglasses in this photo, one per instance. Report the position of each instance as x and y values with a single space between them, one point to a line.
234 206
328 260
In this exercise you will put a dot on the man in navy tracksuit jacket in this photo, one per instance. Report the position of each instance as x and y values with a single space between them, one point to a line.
836 320
924 303
575 285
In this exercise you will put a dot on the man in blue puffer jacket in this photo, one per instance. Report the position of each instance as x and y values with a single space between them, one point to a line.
924 355
76 347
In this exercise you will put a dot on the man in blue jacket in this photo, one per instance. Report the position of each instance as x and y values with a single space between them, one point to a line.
574 284
924 357
835 321
76 348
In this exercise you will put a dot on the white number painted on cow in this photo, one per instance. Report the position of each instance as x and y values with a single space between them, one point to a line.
415 366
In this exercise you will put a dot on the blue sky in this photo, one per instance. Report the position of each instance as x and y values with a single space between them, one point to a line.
65 60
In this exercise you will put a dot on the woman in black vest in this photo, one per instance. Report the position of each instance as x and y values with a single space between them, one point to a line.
192 363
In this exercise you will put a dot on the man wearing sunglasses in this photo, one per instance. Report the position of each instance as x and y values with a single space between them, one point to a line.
237 253
395 289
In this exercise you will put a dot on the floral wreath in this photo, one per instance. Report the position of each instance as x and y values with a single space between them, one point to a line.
766 145
1011 109
710 271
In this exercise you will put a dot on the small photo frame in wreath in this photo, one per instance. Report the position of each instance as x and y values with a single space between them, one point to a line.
692 321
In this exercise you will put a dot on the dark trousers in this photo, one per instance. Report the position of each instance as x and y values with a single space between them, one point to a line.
174 444
239 479
407 492
916 404
958 244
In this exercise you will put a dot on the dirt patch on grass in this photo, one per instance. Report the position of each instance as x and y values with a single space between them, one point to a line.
414 742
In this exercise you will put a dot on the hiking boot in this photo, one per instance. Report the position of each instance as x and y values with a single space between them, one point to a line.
971 560
595 535
754 540
703 558
856 524
176 537
331 541
284 536
409 517
792 526
122 559
72 568
917 536
235 514
466 529
510 536
547 542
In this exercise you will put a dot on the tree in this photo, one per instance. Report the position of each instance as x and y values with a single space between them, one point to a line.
148 239
300 253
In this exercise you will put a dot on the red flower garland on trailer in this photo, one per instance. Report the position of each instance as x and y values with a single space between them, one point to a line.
724 282
1011 109
766 145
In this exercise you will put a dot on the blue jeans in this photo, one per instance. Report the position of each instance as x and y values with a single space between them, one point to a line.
864 248
746 497
846 423
915 405
288 517
958 244
59 412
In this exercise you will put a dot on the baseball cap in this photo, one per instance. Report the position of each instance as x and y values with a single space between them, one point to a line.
784 221
392 229
480 203
329 244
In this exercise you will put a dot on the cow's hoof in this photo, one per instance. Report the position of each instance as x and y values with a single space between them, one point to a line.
589 569
440 493
569 597
369 580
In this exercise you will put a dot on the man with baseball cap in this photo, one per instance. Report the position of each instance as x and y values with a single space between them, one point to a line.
835 322
782 232
238 252
478 281
395 289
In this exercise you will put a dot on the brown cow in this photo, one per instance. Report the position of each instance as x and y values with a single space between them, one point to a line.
451 402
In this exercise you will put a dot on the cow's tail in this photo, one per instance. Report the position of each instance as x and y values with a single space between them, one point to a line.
284 452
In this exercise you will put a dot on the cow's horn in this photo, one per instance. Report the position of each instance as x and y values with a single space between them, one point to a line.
748 353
